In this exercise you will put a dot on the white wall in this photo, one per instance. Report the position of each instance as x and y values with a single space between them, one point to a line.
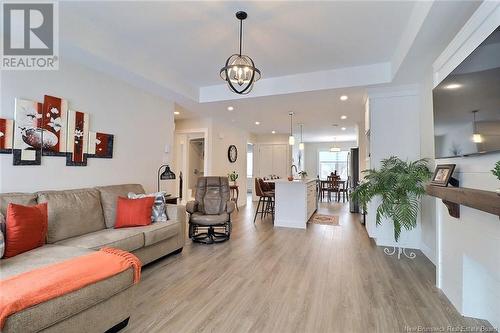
225 135
395 131
468 248
428 205
142 125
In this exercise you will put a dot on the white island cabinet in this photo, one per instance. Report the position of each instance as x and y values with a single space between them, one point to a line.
296 202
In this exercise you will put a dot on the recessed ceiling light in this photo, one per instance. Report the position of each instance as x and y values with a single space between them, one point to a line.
257 123
177 113
344 98
343 128
230 108
453 86
343 117
274 132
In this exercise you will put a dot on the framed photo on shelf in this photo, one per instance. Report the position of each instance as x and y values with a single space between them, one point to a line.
442 174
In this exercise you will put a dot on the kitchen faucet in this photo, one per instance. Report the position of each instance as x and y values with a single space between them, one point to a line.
291 169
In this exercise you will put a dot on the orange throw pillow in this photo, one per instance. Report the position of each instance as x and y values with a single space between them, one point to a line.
133 212
25 228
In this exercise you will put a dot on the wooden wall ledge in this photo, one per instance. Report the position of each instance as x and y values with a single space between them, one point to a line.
453 197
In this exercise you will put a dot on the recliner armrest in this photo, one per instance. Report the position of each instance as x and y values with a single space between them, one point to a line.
230 206
192 206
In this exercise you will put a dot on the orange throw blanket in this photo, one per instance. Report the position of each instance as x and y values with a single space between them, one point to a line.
22 291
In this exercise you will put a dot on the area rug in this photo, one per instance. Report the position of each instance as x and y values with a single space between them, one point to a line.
324 219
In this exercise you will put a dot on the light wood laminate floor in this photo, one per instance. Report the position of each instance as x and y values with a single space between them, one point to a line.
265 279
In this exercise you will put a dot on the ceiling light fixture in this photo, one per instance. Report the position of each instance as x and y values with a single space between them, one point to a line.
453 86
273 132
343 128
476 136
230 108
343 117
257 123
344 98
301 144
291 138
334 148
177 113
240 71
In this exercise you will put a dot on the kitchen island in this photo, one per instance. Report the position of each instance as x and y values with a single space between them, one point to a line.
296 201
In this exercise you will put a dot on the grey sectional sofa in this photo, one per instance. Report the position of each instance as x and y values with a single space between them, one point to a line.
81 221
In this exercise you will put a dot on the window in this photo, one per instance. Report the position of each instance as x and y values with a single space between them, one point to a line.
332 161
249 161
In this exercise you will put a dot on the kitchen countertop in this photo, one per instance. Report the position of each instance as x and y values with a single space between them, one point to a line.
295 181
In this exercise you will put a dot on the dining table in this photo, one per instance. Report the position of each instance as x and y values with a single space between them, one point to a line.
324 184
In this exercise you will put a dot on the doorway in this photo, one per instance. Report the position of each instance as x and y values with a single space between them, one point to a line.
249 167
191 159
196 163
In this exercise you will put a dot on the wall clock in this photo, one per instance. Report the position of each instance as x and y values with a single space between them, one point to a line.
232 153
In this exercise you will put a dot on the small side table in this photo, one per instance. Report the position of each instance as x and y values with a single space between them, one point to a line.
235 193
171 200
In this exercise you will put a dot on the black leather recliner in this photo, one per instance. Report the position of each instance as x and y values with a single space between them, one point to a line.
210 212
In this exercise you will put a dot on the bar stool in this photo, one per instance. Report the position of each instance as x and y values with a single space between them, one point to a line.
266 200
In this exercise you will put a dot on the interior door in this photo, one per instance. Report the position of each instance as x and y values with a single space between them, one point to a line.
266 161
280 160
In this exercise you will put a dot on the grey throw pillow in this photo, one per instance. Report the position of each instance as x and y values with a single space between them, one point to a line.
158 213
2 235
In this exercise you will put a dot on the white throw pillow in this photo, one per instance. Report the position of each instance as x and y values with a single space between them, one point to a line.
158 213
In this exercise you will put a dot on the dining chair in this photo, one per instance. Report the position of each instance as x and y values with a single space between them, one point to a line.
333 187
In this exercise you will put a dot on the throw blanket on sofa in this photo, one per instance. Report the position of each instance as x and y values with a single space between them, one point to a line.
22 291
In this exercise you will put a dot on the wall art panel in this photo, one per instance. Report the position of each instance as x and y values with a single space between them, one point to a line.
78 135
100 145
28 144
6 135
55 125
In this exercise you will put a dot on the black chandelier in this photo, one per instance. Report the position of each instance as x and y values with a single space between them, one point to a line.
240 72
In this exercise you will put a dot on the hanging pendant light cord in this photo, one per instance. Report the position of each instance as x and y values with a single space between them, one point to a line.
291 131
241 32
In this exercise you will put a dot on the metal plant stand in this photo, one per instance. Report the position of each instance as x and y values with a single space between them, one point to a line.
400 250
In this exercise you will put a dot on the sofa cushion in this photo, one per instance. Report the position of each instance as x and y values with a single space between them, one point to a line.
39 257
25 199
36 318
203 219
109 198
72 213
127 239
159 231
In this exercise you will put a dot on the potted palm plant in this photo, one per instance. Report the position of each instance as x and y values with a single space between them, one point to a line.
400 185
